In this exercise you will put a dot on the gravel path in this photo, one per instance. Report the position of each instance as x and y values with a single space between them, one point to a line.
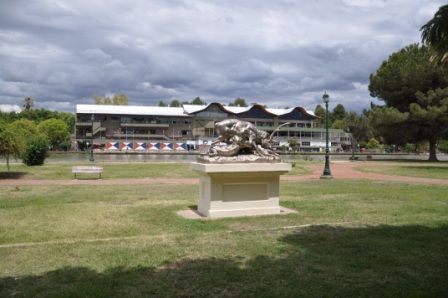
340 171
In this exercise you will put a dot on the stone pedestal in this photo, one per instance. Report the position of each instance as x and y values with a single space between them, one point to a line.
239 189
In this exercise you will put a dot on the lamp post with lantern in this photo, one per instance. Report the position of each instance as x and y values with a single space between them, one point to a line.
327 172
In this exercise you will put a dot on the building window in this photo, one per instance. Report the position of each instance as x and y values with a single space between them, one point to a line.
306 134
306 144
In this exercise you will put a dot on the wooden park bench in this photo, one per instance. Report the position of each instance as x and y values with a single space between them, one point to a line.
87 170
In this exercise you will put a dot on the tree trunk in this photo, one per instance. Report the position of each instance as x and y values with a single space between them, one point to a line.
7 161
432 149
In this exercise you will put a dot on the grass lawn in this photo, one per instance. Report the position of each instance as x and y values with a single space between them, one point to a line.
121 170
348 238
417 169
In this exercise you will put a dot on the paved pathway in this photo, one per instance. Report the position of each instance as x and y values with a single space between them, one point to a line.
340 170
345 170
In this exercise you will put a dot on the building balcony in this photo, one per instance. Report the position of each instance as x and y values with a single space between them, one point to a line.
83 123
143 136
144 125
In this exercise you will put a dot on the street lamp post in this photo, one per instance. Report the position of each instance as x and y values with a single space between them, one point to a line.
327 172
91 158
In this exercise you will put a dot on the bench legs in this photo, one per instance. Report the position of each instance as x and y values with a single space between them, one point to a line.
75 177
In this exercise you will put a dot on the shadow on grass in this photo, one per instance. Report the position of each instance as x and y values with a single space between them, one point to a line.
12 175
193 207
318 261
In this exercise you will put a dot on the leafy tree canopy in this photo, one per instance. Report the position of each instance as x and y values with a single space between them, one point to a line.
358 125
198 101
238 102
162 104
55 130
429 116
435 35
11 143
25 127
390 124
175 103
319 111
39 115
403 74
339 124
339 112
116 99
415 93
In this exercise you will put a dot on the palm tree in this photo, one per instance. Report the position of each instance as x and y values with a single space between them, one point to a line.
435 35
28 103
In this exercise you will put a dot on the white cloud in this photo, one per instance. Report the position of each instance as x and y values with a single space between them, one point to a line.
365 3
9 108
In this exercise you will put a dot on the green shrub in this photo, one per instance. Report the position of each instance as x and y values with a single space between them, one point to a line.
65 145
36 151
373 144
408 147
443 146
362 144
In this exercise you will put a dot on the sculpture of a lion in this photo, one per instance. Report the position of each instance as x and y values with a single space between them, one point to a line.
241 137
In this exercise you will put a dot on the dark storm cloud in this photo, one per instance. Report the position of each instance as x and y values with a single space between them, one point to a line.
282 53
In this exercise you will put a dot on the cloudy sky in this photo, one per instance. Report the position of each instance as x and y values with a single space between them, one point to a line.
280 53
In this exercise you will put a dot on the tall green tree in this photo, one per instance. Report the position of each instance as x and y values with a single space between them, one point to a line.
430 117
391 125
435 35
198 101
403 74
358 125
339 112
162 103
401 82
319 111
11 143
55 130
25 127
27 103
175 103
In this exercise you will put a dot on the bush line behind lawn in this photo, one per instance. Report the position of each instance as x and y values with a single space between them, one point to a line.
123 170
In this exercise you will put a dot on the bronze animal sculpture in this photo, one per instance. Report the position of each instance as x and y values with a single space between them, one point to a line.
238 137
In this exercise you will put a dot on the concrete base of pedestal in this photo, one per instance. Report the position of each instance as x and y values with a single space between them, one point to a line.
239 189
